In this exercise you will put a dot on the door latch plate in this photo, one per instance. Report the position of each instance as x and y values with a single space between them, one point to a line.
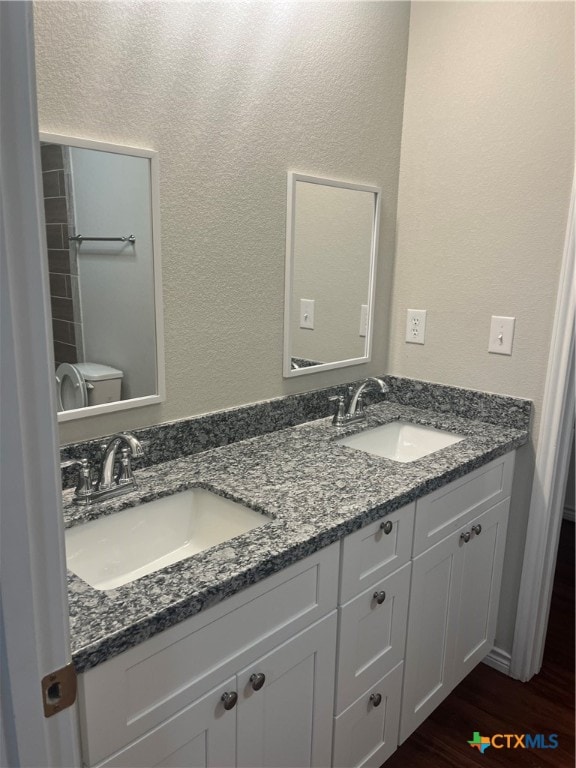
59 690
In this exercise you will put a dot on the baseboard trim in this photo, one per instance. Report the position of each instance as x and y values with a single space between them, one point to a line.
499 659
568 514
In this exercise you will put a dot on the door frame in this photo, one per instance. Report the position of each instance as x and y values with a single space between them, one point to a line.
550 473
34 623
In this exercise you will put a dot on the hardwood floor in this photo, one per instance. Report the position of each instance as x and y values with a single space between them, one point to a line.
489 702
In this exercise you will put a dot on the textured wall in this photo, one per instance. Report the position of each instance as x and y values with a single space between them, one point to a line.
487 164
232 95
486 169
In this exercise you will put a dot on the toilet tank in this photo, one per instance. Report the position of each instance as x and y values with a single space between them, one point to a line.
103 383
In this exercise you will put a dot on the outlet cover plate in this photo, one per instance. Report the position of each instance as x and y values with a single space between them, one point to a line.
415 326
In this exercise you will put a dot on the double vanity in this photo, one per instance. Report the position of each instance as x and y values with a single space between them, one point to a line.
359 592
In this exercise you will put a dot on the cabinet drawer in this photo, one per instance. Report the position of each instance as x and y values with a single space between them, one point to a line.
444 511
375 551
365 735
130 694
372 635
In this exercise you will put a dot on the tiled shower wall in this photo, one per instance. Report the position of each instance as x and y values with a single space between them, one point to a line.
61 258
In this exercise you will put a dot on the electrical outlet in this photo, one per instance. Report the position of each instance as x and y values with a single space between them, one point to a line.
415 326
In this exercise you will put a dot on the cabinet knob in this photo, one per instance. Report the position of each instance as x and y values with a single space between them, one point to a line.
477 529
229 699
386 526
257 679
379 597
465 537
375 699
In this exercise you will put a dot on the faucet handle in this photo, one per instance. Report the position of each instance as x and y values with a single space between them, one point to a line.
125 475
84 486
340 415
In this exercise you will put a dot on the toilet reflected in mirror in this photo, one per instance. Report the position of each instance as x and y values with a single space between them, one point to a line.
84 385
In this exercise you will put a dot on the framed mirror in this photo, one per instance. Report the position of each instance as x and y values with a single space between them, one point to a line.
101 206
331 249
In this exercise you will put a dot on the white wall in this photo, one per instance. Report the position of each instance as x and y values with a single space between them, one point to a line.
487 165
112 198
486 169
232 95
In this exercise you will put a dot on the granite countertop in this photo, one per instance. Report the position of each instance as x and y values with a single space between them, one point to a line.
314 491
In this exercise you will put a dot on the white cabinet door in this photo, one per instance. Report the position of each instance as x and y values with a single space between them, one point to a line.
286 702
366 734
453 612
430 641
203 735
129 695
483 558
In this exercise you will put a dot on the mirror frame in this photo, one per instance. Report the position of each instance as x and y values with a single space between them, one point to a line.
152 155
293 178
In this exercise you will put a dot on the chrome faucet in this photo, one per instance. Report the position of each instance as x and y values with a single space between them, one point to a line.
108 484
351 409
132 447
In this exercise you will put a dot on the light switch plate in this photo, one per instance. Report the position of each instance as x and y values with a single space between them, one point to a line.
501 335
307 313
363 319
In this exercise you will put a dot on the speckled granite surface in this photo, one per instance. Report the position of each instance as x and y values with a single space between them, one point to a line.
187 437
314 491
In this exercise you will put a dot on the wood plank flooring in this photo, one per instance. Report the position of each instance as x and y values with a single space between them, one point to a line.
490 702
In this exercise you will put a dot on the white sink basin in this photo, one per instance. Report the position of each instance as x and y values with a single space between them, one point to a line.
122 547
401 440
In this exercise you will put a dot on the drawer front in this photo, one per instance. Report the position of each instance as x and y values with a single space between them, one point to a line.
375 551
364 735
372 635
444 511
125 697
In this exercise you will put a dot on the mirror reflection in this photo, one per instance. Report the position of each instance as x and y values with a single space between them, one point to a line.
330 267
103 259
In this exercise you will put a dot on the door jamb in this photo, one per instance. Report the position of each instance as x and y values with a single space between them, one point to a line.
550 473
